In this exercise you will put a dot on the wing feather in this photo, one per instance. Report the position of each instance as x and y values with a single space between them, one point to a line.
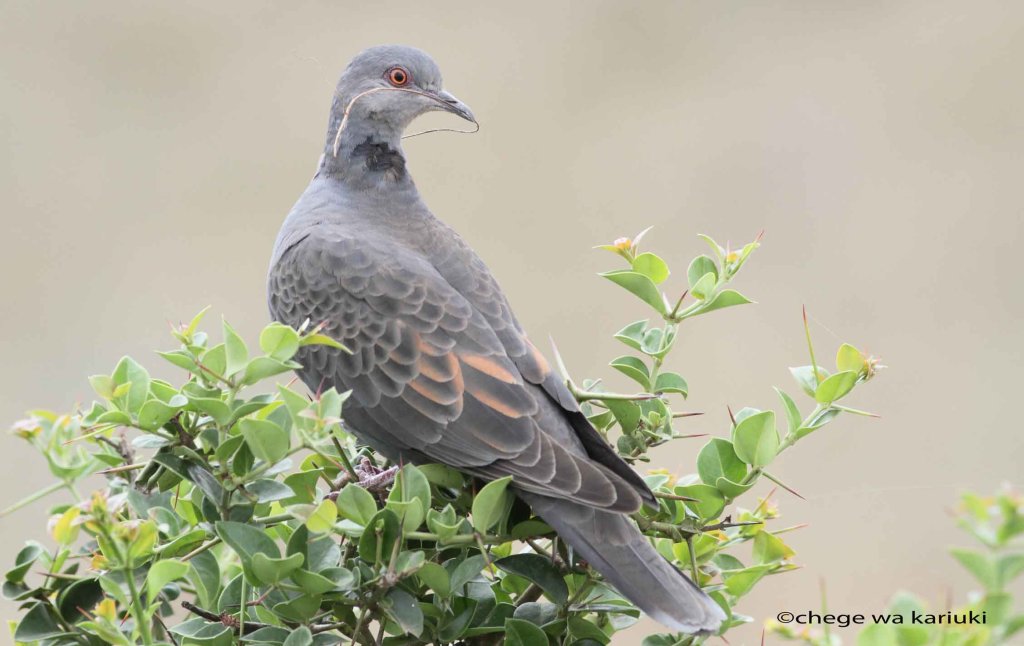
440 373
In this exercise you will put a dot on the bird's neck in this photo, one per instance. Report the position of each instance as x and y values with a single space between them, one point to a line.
367 153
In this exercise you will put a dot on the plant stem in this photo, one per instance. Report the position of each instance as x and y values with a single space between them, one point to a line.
31 498
242 606
138 611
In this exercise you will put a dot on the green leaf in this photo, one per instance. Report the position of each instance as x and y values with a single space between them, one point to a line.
23 562
1008 567
442 476
65 530
181 359
183 543
410 486
710 502
539 570
739 583
732 489
156 413
142 543
836 386
718 459
131 374
214 361
312 582
769 548
261 368
247 541
586 633
236 354
537 613
634 368
849 358
725 298
274 570
436 578
403 609
755 439
699 267
84 593
267 441
804 376
640 286
633 334
301 636
267 490
523 633
356 504
979 565
162 573
466 571
299 609
490 504
322 339
793 419
408 562
204 574
323 517
209 402
198 631
444 523
627 414
103 385
704 287
651 266
279 341
820 420
670 382
37 624
193 325
378 539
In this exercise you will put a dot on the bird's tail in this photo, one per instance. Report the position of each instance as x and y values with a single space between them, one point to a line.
613 545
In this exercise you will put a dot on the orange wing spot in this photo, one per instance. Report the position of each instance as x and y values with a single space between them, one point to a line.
428 348
539 359
490 367
444 393
496 404
441 368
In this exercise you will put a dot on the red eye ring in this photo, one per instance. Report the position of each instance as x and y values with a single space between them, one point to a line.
398 76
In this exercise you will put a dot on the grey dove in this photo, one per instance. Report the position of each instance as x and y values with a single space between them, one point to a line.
440 369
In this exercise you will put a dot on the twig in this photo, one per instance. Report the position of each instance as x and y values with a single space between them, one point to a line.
228 620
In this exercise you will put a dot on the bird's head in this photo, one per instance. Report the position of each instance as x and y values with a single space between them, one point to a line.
383 90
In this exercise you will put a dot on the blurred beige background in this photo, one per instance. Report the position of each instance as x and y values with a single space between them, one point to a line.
151 149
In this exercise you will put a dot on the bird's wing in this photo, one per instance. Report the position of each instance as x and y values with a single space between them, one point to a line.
430 376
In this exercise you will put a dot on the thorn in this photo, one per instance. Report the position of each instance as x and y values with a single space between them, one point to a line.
764 500
673 496
690 436
559 361
732 417
679 303
792 528
782 484
760 236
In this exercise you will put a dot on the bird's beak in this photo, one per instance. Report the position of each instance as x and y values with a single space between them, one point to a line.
453 105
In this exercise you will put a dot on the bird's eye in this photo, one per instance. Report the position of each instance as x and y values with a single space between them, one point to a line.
398 76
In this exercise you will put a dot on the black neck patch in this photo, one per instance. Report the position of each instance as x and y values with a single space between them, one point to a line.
380 157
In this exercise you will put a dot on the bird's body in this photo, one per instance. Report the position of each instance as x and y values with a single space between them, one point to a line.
440 369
